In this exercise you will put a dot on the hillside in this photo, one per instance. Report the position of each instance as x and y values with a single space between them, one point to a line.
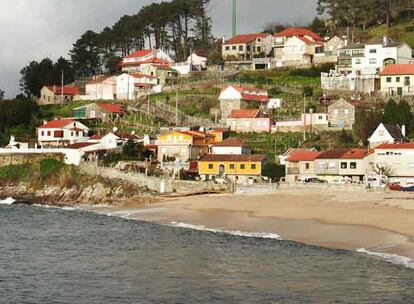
402 31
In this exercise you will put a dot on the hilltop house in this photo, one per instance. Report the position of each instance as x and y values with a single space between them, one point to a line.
136 62
296 46
53 94
100 88
129 86
397 79
248 120
240 169
289 152
342 165
329 53
389 134
99 110
245 47
301 165
231 146
235 97
62 132
341 114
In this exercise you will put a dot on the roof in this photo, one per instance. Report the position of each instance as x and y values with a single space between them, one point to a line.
303 156
196 134
96 137
251 93
343 154
140 75
139 53
232 142
57 89
233 158
353 46
398 69
58 123
291 151
243 89
298 32
111 107
306 40
396 146
80 145
245 113
246 38
156 61
394 130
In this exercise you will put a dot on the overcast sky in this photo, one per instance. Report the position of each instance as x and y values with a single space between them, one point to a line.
34 29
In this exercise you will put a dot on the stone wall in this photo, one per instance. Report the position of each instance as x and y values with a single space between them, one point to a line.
23 158
160 185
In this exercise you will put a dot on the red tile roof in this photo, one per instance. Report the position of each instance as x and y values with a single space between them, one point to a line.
56 124
246 38
231 142
112 108
306 40
303 156
96 137
396 146
355 154
138 54
233 158
343 154
243 89
398 69
253 97
57 89
80 145
251 93
299 32
156 61
246 113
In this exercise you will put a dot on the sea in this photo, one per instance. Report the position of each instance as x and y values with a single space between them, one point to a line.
65 255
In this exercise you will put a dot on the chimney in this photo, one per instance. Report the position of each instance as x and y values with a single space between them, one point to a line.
44 122
385 40
403 130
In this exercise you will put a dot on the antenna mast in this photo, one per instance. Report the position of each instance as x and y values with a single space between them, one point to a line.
234 27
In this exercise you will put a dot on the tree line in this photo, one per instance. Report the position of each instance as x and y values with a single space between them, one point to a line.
18 111
177 26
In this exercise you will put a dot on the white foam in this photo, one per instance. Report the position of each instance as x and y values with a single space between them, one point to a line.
129 213
231 232
8 201
389 257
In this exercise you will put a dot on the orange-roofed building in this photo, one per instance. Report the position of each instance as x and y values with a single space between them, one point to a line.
248 120
398 80
52 94
244 47
62 132
300 165
236 97
136 61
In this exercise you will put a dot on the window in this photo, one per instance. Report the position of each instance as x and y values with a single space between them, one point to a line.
48 133
234 47
320 117
372 51
399 91
389 79
253 167
307 166
397 79
331 165
227 48
372 61
344 165
231 166
241 48
358 61
259 49
407 81
353 165
210 166
242 166
321 165
248 48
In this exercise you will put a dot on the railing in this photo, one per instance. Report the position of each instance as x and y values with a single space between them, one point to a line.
292 170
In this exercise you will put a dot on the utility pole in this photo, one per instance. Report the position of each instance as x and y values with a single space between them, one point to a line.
62 85
148 104
176 109
234 27
304 117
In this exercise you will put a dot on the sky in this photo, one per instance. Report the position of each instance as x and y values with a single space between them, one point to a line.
35 29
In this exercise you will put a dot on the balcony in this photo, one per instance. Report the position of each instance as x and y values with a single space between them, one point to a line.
292 170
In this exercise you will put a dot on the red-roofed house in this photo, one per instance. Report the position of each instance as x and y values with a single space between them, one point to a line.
99 110
62 132
398 79
296 46
301 165
136 61
243 47
248 120
235 97
231 146
53 94
128 86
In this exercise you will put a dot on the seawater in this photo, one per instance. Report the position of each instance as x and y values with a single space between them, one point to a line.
50 255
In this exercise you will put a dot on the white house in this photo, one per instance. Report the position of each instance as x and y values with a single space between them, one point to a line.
231 146
388 134
100 88
134 62
246 46
61 132
128 86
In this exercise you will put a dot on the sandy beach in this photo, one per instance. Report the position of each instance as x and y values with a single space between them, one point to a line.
381 222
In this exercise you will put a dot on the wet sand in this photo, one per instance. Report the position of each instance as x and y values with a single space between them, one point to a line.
379 222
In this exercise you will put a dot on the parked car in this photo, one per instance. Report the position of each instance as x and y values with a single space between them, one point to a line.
315 180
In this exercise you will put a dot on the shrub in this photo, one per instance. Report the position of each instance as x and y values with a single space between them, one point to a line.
48 166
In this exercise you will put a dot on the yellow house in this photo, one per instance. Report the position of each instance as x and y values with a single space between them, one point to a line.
398 79
241 169
182 145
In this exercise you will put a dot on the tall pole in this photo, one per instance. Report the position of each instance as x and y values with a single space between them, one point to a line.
61 93
176 109
304 117
234 27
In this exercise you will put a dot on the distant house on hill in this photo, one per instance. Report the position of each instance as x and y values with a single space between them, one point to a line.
136 61
51 94
62 132
235 97
246 46
397 79
101 88
341 114
248 120
99 110
128 86
387 134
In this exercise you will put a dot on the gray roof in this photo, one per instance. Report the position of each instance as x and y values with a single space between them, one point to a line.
395 131
354 46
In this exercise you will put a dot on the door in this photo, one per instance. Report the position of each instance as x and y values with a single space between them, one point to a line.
222 170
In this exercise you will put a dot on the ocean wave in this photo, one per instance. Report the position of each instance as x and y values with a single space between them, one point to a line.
262 235
389 257
8 201
127 214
